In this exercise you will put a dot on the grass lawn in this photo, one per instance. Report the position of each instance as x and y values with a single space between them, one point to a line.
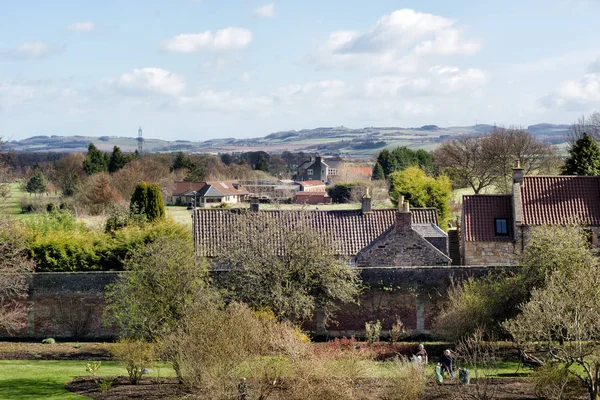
41 379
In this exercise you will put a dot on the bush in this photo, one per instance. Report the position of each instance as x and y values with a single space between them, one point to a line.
407 381
137 355
553 382
373 331
49 341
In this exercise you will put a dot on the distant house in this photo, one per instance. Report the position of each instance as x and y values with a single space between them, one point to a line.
326 170
495 227
368 237
207 194
312 198
311 186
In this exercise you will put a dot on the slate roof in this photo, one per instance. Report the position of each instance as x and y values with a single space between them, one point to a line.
561 200
351 230
479 214
220 189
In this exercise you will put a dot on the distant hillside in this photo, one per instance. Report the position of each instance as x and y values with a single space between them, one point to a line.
325 140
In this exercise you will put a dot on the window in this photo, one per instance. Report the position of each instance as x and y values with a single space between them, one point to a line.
501 227
332 171
309 172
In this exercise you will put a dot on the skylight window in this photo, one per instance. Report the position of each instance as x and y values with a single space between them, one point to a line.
224 185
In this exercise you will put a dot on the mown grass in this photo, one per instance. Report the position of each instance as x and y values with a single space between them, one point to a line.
32 379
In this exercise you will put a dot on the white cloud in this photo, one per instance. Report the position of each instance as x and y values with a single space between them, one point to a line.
397 42
82 27
245 77
148 80
265 11
210 100
577 94
439 81
32 51
224 39
323 92
33 96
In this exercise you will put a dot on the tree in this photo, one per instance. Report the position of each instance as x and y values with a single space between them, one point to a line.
482 161
346 192
378 173
388 162
162 281
37 183
181 161
277 261
15 269
117 160
99 194
69 173
585 125
95 161
147 200
584 158
262 164
421 190
564 316
495 298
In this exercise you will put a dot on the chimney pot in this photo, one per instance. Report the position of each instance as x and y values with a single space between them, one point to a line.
403 216
518 172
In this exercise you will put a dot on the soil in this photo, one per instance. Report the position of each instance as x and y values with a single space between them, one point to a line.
56 351
504 388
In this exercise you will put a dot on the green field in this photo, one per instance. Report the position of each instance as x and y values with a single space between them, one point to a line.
41 379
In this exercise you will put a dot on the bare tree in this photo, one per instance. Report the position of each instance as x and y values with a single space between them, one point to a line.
589 125
482 161
565 316
15 269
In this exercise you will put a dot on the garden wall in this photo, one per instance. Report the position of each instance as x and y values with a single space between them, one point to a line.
70 305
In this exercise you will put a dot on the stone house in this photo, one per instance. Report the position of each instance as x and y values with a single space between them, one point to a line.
495 227
318 169
367 237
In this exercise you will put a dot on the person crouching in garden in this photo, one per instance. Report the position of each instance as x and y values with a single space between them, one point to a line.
447 363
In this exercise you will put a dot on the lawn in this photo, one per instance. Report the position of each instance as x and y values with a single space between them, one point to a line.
41 379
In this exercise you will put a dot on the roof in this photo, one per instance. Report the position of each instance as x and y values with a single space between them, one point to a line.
429 230
480 212
351 230
322 194
311 183
182 188
220 189
561 200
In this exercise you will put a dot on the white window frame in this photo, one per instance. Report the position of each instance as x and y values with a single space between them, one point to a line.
309 171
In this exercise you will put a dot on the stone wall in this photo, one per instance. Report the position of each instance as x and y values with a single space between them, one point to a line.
68 305
401 249
489 253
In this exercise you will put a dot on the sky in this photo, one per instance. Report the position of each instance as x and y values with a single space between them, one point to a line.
204 69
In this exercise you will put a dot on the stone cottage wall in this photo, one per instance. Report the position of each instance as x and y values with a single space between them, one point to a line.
489 253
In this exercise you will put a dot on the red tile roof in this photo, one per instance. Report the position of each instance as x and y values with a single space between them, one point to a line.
561 200
311 183
322 194
480 212
185 187
351 230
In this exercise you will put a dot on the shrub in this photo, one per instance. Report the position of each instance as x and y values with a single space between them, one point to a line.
373 331
137 355
554 382
49 341
105 384
398 331
93 367
147 200
407 381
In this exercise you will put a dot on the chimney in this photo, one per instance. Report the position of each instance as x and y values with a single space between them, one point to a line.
403 216
254 202
517 172
366 203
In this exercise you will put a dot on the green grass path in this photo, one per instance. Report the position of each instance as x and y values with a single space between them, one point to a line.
41 379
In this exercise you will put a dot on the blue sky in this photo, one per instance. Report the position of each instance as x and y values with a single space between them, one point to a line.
202 69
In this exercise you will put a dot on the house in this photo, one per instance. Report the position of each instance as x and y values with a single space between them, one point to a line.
315 169
367 237
311 186
208 193
274 190
312 198
495 227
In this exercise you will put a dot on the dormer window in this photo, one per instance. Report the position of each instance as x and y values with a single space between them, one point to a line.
501 227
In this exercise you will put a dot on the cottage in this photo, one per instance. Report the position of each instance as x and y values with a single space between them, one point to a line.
206 194
369 238
495 227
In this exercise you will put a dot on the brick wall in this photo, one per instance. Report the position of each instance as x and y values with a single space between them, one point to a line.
65 305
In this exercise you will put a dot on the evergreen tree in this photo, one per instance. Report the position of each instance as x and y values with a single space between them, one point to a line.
117 160
95 161
181 161
147 200
378 173
584 158
387 161
37 183
262 164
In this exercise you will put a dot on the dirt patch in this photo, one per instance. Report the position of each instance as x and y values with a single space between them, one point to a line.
163 388
56 351
148 389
